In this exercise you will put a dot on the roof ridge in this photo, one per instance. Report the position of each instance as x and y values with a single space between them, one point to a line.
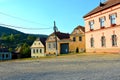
108 4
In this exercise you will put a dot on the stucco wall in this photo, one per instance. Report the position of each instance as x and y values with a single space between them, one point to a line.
108 31
77 44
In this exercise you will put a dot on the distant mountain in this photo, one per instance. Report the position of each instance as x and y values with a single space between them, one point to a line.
39 35
8 31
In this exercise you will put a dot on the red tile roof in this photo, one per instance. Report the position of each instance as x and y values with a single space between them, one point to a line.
61 35
105 5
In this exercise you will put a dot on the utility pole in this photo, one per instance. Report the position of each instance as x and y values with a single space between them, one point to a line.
55 30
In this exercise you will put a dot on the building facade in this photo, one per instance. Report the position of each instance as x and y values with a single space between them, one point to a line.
38 48
62 43
102 28
78 40
5 54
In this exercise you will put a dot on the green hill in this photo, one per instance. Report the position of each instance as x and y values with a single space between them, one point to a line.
8 31
13 39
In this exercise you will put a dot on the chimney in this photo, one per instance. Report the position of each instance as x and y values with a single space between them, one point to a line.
102 3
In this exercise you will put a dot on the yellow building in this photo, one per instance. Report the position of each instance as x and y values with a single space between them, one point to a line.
62 43
78 40
38 48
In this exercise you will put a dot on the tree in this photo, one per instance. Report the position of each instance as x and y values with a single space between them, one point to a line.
11 37
4 36
25 51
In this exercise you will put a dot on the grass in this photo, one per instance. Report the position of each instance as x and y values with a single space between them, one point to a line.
73 55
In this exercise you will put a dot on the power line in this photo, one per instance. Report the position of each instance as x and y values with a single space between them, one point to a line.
22 19
25 28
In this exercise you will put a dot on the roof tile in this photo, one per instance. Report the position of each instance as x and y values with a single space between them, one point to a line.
106 5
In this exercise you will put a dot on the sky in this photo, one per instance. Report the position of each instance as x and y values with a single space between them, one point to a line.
41 14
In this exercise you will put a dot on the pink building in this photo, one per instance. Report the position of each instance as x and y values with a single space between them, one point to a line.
102 28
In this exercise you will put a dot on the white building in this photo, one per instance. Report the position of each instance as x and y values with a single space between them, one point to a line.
38 48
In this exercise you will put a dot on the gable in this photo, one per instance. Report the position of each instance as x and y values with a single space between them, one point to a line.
59 35
37 44
78 30
52 38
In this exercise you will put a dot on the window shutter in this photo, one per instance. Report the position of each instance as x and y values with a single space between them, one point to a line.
116 15
99 19
93 22
89 22
109 16
104 18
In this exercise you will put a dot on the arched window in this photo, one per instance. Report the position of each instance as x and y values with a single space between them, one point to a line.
114 40
103 41
92 42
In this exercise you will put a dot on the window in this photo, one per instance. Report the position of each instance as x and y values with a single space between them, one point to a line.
33 50
74 39
36 50
91 24
114 40
80 38
3 56
103 42
40 50
113 19
7 56
102 22
92 42
54 45
49 45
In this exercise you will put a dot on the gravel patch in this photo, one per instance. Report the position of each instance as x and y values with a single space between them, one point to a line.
99 67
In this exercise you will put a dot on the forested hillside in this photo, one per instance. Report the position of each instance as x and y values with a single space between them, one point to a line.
14 40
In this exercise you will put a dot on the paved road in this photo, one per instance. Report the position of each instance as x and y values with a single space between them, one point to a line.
100 67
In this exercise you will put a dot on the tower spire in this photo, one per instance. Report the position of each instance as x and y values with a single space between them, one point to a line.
55 28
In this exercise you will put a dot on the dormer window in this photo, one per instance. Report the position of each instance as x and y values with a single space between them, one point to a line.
91 24
113 19
102 22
